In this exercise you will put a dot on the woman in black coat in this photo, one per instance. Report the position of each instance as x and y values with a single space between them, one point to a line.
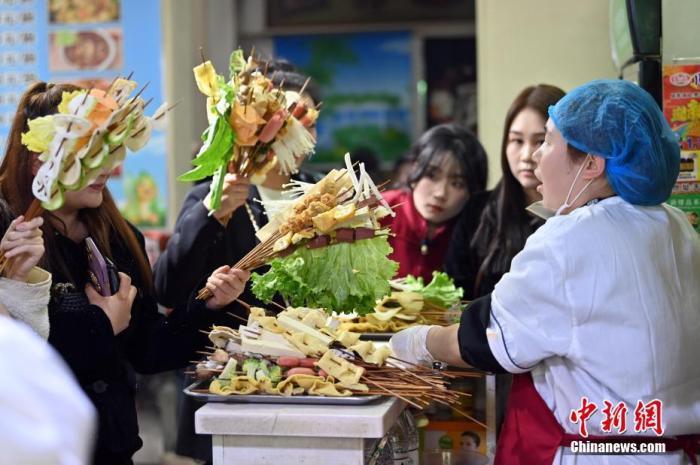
495 224
203 241
104 340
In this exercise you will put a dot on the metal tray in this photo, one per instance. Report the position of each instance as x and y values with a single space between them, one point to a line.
378 337
272 399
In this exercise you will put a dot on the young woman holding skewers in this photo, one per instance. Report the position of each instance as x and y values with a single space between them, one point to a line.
104 339
204 241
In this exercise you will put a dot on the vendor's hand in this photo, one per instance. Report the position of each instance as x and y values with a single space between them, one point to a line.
225 284
117 307
234 195
23 245
410 345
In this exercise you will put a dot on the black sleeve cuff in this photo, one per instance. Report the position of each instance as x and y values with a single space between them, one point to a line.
473 345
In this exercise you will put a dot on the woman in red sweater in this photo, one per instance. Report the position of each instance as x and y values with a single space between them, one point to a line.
450 166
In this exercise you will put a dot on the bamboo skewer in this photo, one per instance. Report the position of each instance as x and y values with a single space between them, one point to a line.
281 307
395 394
238 317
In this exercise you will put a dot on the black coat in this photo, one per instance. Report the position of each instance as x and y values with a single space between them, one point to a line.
103 363
463 259
200 244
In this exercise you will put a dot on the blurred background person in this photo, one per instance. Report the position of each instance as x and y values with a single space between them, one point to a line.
45 417
450 166
495 227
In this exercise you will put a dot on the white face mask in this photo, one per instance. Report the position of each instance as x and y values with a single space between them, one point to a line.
567 203
539 210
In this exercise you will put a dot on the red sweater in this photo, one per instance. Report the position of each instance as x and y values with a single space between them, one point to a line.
417 254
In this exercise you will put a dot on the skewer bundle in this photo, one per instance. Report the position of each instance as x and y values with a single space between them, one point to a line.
325 231
342 365
412 303
88 135
253 125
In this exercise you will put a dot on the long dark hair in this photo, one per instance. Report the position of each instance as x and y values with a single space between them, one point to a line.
445 139
505 225
103 222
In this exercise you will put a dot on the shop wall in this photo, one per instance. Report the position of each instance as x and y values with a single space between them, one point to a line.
519 43
680 29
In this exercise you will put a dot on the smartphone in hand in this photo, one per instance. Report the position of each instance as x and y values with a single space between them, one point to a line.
102 272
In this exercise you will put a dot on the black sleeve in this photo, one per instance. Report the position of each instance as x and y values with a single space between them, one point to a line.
461 262
184 262
155 342
82 334
473 346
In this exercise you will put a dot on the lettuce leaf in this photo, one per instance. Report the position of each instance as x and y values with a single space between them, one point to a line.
215 152
66 98
441 291
342 277
40 134
237 63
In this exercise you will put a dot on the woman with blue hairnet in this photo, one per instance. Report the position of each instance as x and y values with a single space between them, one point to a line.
601 304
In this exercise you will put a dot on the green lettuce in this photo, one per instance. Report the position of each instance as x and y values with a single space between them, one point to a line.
343 277
237 62
441 291
213 159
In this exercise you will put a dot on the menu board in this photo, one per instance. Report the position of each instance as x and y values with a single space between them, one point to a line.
681 89
89 43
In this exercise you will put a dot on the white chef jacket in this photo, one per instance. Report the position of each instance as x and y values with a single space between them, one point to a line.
45 418
605 303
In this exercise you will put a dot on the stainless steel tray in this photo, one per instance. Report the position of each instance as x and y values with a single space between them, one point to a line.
378 337
272 399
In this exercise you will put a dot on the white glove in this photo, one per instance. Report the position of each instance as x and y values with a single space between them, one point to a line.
411 345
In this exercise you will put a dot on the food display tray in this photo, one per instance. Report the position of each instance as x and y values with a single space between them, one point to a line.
193 391
377 337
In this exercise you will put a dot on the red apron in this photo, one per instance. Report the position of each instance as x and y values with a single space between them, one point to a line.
531 434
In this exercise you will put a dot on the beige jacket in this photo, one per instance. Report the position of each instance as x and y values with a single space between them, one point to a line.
28 302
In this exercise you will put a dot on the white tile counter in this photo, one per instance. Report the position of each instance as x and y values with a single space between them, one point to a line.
274 434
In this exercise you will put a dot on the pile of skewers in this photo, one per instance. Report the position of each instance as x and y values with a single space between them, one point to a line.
398 311
411 302
303 352
253 125
341 208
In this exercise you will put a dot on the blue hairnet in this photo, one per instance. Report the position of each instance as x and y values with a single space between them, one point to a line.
621 122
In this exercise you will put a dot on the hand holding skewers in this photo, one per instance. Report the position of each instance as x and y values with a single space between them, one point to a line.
226 284
234 195
23 246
